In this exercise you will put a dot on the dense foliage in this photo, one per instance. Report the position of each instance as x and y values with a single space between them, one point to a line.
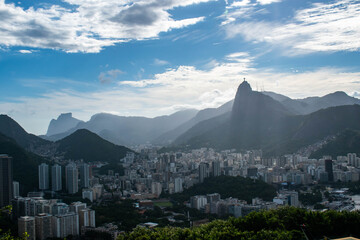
310 198
346 142
121 213
25 164
227 186
284 223
88 146
7 227
116 167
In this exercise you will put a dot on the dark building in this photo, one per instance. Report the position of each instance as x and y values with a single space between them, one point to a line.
6 180
329 169
216 170
203 172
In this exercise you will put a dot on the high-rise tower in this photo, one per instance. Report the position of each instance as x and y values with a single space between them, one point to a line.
6 180
43 176
71 178
56 180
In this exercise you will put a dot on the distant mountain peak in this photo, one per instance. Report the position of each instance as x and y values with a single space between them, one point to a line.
62 124
65 116
244 87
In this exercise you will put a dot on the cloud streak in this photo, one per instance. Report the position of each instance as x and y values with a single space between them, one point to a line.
321 28
109 76
89 26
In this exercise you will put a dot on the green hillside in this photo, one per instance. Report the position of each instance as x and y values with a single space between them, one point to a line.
346 142
280 224
88 146
285 135
12 129
227 186
25 164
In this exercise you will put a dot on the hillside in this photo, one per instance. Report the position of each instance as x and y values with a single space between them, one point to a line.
227 186
202 115
12 129
122 130
25 164
88 146
346 142
259 122
313 104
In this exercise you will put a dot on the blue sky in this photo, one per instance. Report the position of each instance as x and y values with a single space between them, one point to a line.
154 57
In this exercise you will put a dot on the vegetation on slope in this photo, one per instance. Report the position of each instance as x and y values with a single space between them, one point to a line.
12 129
284 223
346 142
25 164
282 135
227 186
88 146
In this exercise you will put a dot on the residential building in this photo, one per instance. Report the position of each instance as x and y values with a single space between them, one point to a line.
6 179
43 176
56 178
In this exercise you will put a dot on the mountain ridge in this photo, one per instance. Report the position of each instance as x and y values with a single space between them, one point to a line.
259 123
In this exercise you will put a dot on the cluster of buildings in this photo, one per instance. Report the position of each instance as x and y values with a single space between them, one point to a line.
212 203
71 177
77 177
50 218
150 174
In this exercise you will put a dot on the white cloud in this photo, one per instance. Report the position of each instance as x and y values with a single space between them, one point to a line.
25 51
265 2
176 89
323 27
160 62
90 25
109 76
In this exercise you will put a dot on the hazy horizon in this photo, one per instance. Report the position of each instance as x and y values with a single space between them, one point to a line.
153 58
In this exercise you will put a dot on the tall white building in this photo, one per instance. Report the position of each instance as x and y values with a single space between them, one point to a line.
156 188
88 194
43 176
26 224
203 172
178 185
86 218
216 170
16 189
84 175
65 225
56 180
71 178
43 226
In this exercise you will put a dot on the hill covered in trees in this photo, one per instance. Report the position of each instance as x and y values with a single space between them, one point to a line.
88 146
283 223
346 142
25 164
227 186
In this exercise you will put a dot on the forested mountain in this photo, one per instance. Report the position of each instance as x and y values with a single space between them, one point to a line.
345 142
88 146
12 129
259 122
25 164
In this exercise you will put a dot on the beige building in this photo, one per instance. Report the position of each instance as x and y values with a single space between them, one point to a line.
26 224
